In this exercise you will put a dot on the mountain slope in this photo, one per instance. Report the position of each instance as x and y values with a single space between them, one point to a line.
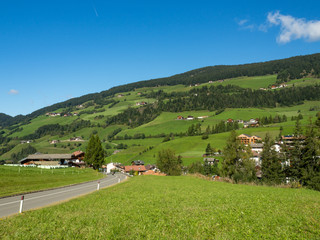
290 68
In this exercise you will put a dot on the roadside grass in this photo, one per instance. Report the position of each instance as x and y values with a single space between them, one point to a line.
150 207
17 180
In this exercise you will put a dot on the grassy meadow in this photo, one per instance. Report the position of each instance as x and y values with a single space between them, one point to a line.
17 180
150 207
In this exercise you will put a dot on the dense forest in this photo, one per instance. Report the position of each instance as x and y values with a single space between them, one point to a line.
290 68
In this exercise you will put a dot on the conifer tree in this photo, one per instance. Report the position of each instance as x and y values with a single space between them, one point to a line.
295 154
94 152
310 163
271 165
237 164
209 149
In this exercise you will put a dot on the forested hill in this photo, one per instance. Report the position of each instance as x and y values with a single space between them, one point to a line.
290 68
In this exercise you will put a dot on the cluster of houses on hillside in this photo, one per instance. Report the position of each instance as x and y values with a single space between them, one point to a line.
53 114
256 144
72 139
137 167
251 123
141 103
190 117
198 84
282 85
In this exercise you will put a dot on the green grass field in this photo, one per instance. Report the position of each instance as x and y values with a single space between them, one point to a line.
149 207
16 180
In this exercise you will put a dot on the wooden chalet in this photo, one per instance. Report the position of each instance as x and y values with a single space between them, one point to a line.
248 139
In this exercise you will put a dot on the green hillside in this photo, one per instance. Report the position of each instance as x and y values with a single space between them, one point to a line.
134 123
149 207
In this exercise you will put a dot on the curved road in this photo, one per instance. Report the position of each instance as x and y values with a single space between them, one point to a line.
11 205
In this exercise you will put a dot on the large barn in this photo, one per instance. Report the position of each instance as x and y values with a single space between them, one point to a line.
54 159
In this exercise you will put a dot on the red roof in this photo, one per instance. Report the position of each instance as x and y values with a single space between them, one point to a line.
136 168
77 153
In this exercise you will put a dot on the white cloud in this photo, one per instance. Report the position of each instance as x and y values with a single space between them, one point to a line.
294 28
244 24
13 92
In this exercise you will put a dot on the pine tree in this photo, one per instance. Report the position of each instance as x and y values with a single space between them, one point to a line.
208 150
208 130
309 164
94 152
237 164
295 154
271 166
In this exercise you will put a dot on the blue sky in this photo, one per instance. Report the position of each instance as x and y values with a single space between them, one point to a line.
54 50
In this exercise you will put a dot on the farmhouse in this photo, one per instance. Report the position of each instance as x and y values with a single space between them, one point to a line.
46 159
74 159
112 166
202 117
135 168
53 114
180 117
211 161
247 139
251 123
54 141
75 139
141 103
256 147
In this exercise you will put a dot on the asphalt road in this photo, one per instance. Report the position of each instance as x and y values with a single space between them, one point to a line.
11 205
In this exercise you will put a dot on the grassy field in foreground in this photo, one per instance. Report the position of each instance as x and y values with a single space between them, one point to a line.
15 181
149 207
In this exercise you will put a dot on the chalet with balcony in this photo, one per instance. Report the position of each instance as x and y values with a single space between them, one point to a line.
248 139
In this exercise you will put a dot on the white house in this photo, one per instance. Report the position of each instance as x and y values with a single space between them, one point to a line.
257 147
276 147
110 166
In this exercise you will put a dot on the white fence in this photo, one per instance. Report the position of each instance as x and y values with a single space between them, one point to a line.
38 166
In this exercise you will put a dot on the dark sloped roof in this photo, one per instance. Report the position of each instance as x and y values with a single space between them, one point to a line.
49 156
138 162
